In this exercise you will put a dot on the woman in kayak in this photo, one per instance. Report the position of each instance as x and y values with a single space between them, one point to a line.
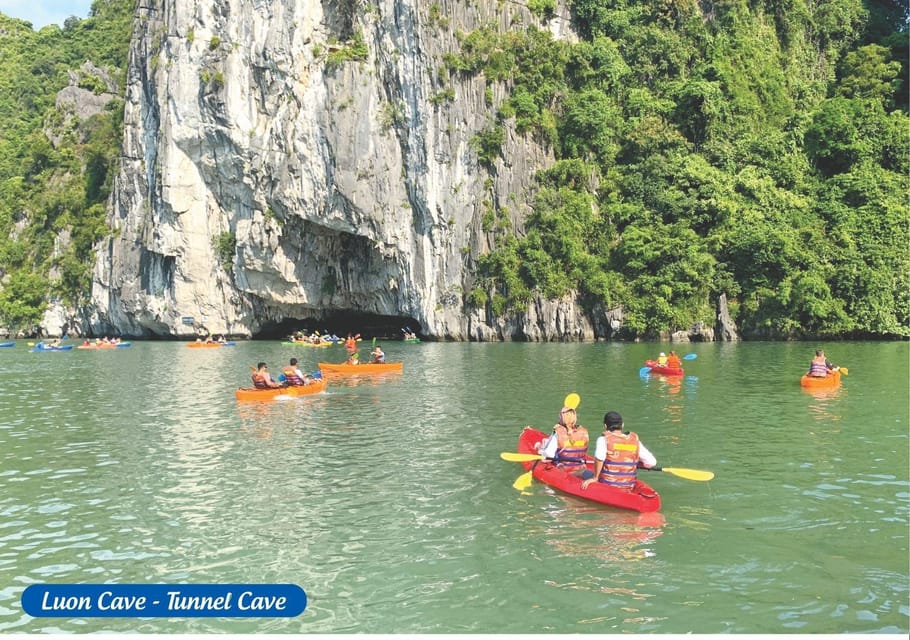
618 454
568 445
819 367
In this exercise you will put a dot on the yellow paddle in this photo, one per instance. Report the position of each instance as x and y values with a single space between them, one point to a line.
844 371
519 457
689 474
524 481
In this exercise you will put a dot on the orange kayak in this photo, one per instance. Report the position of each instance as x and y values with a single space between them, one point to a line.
202 345
252 393
104 345
354 369
831 380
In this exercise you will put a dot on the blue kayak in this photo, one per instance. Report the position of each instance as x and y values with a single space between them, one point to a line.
46 347
7 344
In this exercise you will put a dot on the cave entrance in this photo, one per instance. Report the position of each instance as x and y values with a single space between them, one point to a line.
341 324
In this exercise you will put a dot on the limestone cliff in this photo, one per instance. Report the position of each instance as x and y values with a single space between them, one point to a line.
289 159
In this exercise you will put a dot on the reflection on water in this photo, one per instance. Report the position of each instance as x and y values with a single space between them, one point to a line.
576 528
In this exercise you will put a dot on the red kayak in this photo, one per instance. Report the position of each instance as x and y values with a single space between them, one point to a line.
665 371
642 498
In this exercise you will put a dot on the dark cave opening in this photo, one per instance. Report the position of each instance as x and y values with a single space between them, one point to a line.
341 324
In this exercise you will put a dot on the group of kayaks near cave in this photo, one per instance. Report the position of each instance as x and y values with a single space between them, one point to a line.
640 497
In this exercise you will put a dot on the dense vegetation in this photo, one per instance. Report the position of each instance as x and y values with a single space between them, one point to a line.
56 169
757 149
752 148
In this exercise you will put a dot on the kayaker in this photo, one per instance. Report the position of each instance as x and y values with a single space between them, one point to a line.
262 379
662 359
568 444
350 344
378 355
353 358
820 366
673 361
617 455
293 377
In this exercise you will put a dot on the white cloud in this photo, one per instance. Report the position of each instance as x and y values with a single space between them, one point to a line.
44 12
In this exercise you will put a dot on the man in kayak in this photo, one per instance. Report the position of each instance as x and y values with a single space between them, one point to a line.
568 445
262 379
819 367
293 377
673 361
617 455
378 355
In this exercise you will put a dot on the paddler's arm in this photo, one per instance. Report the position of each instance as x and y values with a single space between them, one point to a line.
598 465
645 458
549 449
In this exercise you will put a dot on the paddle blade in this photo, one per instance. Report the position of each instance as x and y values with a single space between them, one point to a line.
572 401
689 474
523 481
519 457
690 356
844 371
644 371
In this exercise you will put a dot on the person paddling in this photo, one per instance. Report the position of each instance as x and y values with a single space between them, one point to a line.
820 366
617 455
568 445
262 379
293 377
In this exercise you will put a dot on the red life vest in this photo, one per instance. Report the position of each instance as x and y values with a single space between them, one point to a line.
621 461
572 448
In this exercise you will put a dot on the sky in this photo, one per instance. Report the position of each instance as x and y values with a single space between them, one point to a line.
44 12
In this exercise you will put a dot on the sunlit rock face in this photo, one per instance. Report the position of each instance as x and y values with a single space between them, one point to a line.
273 169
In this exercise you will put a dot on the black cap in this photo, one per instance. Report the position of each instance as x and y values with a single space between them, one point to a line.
612 420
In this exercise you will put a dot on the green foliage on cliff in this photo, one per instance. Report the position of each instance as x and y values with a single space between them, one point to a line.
753 149
56 168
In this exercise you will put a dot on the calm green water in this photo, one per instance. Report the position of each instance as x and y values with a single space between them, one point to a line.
386 500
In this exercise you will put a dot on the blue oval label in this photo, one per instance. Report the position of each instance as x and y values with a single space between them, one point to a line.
163 600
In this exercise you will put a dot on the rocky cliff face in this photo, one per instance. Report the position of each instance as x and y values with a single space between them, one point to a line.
291 159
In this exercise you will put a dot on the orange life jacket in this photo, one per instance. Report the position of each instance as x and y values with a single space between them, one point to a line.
572 448
259 381
673 362
621 461
290 375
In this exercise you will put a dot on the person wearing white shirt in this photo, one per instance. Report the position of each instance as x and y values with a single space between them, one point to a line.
617 455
